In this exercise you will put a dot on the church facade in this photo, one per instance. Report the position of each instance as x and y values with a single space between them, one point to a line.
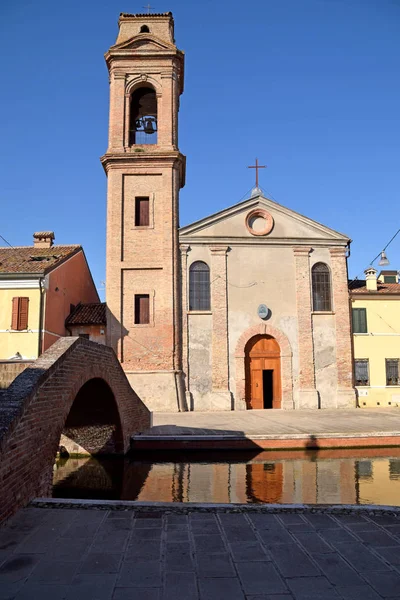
245 309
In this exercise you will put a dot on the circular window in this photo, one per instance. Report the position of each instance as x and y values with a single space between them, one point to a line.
259 222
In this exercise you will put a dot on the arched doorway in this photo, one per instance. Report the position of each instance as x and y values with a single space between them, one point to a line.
263 372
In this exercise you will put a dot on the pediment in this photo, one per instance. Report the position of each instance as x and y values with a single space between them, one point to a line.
286 226
144 43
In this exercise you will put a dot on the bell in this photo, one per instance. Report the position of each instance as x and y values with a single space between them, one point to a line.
148 126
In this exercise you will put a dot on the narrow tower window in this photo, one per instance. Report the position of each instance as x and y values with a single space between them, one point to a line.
142 309
321 287
142 212
144 29
143 117
199 286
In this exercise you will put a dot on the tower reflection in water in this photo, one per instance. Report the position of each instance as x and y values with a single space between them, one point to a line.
323 477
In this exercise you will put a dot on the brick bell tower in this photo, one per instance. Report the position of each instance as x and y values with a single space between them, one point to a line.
145 171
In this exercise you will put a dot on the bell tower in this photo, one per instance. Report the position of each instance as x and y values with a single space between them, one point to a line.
145 171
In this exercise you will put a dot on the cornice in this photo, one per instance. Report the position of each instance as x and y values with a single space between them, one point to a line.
301 244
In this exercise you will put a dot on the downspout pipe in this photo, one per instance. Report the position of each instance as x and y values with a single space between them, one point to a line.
41 306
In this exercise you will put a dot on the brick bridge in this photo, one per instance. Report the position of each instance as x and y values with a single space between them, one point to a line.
77 388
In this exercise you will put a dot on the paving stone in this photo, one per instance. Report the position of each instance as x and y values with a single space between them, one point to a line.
393 530
32 591
92 587
361 558
55 572
321 521
10 539
17 568
177 519
235 534
363 526
179 535
300 527
217 589
337 570
248 552
137 594
215 565
178 557
233 520
114 544
271 537
212 544
292 561
202 516
135 575
143 551
358 592
147 523
81 530
109 526
264 521
260 578
8 591
146 534
37 542
312 588
313 543
386 584
291 519
337 536
269 597
205 527
385 520
180 585
390 554
67 549
377 538
100 563
352 518
120 514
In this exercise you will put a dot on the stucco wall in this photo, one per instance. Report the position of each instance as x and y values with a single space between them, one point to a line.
25 342
70 283
381 341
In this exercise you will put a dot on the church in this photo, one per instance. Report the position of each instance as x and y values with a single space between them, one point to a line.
245 309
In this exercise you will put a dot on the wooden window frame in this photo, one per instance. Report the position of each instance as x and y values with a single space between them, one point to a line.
194 301
137 212
353 320
389 380
20 313
327 300
363 360
151 198
150 294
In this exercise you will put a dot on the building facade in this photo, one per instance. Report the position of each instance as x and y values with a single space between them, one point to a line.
245 309
375 306
39 286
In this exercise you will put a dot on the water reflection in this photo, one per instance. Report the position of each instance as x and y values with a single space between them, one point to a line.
311 477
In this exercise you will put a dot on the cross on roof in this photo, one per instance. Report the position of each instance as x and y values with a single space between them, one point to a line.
149 8
256 167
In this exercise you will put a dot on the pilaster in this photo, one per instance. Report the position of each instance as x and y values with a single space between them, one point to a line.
308 395
346 397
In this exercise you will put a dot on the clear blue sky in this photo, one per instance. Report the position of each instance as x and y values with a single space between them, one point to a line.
311 87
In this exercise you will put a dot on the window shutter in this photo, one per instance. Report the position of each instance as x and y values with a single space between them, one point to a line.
14 317
144 310
23 313
142 211
363 320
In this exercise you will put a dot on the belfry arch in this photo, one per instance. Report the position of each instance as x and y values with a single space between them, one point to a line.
285 356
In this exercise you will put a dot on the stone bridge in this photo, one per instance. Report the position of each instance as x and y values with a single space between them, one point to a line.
76 389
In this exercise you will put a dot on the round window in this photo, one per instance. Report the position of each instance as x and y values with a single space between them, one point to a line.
259 222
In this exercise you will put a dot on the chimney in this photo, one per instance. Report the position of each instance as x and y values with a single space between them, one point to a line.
370 277
43 239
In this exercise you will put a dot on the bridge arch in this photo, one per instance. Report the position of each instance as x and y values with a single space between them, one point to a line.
45 400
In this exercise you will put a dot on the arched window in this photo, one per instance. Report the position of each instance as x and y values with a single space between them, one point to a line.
143 117
199 286
144 29
321 287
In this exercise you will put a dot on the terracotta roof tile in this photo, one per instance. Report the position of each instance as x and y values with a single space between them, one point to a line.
31 260
359 287
88 314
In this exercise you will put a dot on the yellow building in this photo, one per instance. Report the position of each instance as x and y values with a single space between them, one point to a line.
40 286
376 338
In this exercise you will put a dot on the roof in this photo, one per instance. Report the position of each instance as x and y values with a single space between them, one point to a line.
88 314
146 15
29 260
358 286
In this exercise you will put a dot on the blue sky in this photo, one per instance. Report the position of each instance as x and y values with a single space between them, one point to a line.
310 87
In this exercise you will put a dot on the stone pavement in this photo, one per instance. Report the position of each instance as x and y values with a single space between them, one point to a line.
77 554
278 422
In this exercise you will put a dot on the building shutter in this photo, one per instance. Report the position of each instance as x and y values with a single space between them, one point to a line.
14 318
20 307
142 212
359 320
142 309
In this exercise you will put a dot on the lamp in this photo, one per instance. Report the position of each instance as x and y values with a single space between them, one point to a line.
384 260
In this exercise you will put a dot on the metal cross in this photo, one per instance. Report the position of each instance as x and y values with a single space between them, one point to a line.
256 167
149 8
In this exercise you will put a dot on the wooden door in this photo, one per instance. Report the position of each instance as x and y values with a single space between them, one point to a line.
262 354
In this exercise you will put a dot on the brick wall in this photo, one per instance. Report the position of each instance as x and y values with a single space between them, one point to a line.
35 409
9 370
